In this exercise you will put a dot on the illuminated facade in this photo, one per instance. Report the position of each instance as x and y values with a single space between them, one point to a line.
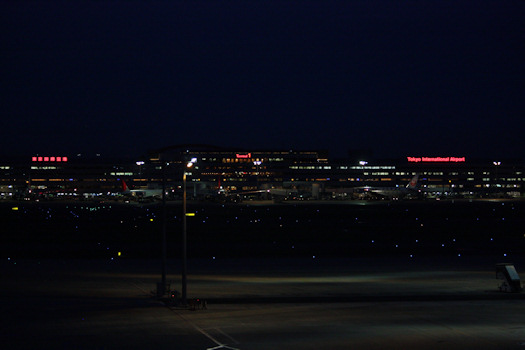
237 171
234 170
54 176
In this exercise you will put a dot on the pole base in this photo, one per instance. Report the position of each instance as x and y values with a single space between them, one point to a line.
162 289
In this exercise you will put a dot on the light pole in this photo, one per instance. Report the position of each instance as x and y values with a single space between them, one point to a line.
257 163
496 165
140 164
184 234
161 287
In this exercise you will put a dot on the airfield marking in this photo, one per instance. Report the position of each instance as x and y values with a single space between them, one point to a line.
136 286
199 329
219 330
206 334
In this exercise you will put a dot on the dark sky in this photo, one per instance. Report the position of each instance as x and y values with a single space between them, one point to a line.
425 77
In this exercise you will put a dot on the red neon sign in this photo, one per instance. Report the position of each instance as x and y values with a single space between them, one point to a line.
436 159
49 159
244 156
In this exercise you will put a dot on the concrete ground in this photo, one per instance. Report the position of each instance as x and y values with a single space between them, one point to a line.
367 303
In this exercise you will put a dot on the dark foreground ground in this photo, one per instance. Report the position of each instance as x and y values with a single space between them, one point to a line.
360 303
356 275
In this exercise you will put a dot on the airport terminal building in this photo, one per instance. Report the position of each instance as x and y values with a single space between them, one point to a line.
297 174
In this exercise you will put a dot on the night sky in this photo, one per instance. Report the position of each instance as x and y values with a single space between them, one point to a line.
427 77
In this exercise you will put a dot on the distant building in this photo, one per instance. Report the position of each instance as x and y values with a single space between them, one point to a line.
215 170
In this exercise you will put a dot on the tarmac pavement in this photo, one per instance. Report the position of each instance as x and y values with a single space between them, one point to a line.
365 303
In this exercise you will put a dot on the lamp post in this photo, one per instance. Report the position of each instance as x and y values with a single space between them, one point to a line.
257 163
161 287
184 234
140 164
496 166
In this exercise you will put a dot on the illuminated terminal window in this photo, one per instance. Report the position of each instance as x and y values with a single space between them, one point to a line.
372 167
121 174
305 167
